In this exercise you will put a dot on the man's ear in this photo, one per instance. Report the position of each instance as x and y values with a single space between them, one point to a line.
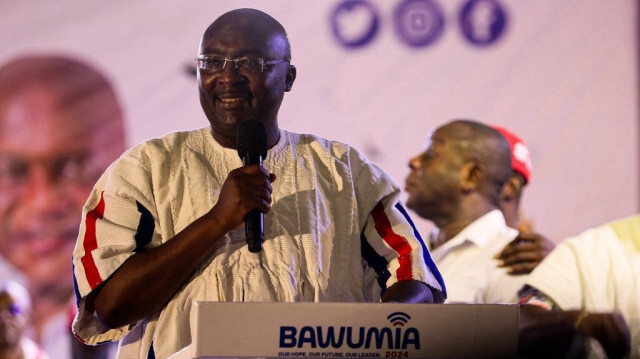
471 174
511 189
291 77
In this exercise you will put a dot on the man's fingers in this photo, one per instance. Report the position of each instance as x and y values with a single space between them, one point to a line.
518 245
521 268
528 256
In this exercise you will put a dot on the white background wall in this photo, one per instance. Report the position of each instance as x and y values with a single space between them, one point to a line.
563 75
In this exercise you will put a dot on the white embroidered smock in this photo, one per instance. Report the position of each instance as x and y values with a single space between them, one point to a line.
336 232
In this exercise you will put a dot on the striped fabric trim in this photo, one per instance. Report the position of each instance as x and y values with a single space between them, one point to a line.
425 252
76 291
539 300
78 337
377 262
144 232
90 243
395 241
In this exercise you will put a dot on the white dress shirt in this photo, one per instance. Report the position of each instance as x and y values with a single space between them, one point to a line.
468 268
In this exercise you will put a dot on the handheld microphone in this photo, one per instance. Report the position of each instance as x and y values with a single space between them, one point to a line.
251 141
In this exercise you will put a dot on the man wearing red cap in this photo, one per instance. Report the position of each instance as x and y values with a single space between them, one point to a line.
566 304
521 165
525 252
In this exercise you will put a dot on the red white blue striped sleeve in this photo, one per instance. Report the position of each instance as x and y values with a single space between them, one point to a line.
393 247
113 228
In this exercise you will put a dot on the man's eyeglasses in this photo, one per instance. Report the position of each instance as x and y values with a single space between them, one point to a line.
213 64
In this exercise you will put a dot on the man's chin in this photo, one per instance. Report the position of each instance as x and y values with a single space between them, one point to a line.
231 117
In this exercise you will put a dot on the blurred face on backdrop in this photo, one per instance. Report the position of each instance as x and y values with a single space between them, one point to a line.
57 135
251 87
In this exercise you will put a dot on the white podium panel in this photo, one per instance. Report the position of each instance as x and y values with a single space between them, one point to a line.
352 330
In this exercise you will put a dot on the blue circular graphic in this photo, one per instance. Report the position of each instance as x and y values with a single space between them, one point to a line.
418 23
482 21
355 23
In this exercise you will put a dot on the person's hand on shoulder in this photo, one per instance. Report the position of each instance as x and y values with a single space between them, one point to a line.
524 253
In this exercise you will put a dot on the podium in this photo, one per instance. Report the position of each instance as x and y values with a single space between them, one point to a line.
351 330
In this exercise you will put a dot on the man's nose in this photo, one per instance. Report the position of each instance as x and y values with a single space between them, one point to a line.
41 189
230 73
414 163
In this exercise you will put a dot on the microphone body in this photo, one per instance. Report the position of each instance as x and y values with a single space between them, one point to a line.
254 220
251 141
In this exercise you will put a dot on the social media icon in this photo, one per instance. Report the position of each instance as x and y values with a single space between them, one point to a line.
355 23
482 21
418 23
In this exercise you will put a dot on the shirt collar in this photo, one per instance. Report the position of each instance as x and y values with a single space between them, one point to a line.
482 230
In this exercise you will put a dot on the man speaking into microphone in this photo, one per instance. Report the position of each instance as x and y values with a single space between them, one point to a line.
164 226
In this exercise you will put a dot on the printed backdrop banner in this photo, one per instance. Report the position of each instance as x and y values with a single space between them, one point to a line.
382 74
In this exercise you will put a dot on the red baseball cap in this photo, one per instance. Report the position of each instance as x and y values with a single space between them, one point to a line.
520 156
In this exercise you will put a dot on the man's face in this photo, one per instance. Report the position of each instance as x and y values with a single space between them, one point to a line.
49 161
433 183
233 95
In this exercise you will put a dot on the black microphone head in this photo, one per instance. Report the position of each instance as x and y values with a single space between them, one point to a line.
251 138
